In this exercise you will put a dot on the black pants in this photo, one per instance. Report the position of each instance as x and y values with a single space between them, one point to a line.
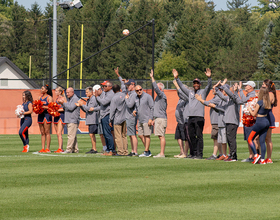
195 128
231 130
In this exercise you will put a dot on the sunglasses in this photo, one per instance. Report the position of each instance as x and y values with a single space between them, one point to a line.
138 90
104 86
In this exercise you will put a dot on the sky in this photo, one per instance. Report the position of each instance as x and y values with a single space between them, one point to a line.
220 4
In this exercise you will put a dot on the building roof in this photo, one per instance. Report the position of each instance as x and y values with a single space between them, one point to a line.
19 71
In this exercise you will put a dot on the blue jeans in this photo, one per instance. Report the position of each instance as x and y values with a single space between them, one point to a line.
107 134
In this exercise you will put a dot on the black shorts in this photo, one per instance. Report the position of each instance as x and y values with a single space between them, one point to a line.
93 129
180 132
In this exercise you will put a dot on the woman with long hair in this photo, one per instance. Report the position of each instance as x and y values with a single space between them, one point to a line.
59 121
261 126
26 121
45 119
273 99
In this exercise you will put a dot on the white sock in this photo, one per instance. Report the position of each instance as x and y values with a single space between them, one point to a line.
104 147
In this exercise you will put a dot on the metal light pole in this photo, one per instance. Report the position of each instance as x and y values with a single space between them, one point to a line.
54 42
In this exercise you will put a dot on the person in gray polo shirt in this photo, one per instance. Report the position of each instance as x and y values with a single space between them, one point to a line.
118 120
160 116
72 119
128 87
144 110
196 112
91 109
104 102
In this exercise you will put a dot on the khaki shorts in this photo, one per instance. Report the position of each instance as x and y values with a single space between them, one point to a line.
144 129
160 126
214 132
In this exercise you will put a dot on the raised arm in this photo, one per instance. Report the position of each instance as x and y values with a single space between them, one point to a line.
209 83
180 84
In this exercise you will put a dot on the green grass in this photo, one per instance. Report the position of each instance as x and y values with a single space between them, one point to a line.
80 186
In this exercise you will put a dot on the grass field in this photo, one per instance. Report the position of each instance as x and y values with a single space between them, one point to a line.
81 186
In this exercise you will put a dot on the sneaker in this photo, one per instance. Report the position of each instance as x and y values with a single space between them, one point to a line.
159 156
197 158
130 154
118 155
189 156
212 157
66 152
109 153
229 159
256 159
42 150
92 151
59 151
268 160
25 149
221 157
47 151
135 155
262 161
248 160
146 154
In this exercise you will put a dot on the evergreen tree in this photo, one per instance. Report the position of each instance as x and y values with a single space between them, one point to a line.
234 4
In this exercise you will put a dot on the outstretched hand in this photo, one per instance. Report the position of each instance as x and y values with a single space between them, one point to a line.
175 73
152 73
208 72
117 71
217 84
224 82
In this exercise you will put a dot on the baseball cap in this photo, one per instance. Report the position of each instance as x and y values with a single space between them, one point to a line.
196 80
130 81
96 87
250 83
104 83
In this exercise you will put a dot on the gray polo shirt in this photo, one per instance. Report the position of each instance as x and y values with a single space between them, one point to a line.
184 97
104 102
248 95
195 107
144 107
118 108
213 112
160 103
92 117
233 106
71 111
130 105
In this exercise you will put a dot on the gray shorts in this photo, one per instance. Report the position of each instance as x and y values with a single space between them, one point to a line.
131 127
222 137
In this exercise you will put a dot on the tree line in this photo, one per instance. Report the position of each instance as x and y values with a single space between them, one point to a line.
240 43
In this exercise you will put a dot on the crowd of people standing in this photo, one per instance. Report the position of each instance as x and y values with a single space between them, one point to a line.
115 112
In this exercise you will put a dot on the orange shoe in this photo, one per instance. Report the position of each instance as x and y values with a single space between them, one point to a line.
25 149
256 159
262 162
268 160
226 157
47 151
109 153
221 157
58 151
42 150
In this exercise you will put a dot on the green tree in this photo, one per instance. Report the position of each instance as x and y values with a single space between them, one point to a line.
234 4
